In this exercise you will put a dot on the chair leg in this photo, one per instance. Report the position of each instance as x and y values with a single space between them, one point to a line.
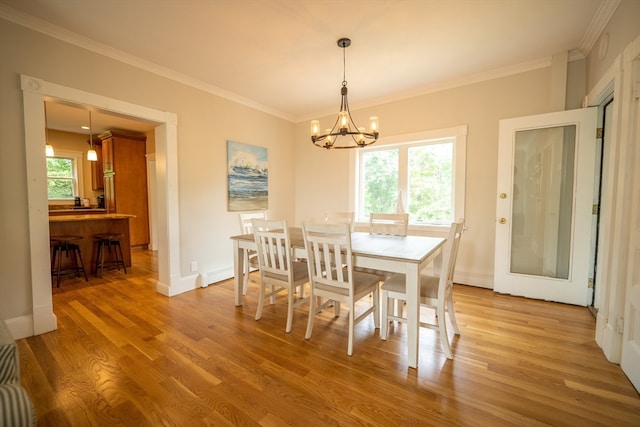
312 314
124 266
376 308
290 300
442 328
384 331
78 255
247 269
261 301
352 310
452 314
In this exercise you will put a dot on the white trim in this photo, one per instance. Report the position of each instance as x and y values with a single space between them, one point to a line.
598 23
34 92
67 36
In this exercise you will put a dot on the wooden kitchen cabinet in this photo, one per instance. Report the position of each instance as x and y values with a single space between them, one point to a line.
97 168
125 180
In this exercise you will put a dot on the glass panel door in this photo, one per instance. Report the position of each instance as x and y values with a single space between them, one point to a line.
543 183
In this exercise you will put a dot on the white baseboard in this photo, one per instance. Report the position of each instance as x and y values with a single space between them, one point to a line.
20 327
471 279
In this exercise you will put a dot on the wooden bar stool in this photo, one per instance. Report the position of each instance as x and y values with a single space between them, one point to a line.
63 245
115 258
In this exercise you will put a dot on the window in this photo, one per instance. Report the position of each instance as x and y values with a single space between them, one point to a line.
64 173
422 174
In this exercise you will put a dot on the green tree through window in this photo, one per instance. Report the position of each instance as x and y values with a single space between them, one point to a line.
425 172
60 178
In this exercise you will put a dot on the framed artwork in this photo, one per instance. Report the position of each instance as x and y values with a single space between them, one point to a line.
247 177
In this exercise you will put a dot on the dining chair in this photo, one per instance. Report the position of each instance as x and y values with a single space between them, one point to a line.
278 270
389 223
250 256
340 218
331 274
435 293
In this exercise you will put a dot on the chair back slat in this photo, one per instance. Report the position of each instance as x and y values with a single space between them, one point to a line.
340 218
449 258
390 224
329 249
274 250
246 226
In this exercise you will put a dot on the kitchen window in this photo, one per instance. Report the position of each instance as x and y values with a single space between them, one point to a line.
64 175
422 174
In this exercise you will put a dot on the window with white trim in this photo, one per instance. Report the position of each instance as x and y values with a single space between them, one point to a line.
422 174
64 175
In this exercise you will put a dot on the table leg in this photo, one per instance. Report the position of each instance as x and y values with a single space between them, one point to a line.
238 270
413 313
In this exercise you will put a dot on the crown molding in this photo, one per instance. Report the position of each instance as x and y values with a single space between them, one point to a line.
59 33
598 23
496 73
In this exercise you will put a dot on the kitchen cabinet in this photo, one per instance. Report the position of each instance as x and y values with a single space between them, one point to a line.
125 181
97 168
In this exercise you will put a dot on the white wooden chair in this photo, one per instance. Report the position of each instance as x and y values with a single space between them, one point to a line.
250 257
331 275
278 270
340 218
435 292
388 223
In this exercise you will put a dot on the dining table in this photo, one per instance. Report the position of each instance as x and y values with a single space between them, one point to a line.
408 255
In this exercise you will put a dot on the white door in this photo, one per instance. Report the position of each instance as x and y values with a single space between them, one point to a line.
630 361
546 169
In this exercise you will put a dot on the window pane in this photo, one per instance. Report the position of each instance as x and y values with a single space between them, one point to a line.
380 178
543 196
59 168
431 183
60 188
60 178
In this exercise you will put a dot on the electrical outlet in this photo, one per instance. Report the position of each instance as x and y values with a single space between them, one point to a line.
194 266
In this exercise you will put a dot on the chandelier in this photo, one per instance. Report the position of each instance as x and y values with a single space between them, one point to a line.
344 126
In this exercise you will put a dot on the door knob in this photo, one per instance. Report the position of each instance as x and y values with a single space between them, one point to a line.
502 220
503 195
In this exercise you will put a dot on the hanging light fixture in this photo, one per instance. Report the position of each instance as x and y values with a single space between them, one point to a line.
344 125
48 148
92 156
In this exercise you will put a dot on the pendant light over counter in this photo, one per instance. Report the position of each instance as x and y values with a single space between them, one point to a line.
48 148
92 156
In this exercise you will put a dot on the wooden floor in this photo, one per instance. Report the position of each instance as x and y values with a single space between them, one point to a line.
125 355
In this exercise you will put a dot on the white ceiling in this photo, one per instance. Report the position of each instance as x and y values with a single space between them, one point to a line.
281 55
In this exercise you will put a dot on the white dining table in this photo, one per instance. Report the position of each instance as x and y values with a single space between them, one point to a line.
408 255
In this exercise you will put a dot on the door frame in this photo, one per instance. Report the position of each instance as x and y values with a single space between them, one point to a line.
613 253
34 93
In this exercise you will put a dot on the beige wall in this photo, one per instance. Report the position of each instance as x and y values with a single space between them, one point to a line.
205 122
621 30
322 177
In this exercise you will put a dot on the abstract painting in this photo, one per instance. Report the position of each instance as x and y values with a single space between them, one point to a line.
247 177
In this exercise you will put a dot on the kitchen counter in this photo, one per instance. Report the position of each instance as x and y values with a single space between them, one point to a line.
74 211
87 226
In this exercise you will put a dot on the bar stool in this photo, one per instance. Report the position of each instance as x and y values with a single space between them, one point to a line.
60 244
115 259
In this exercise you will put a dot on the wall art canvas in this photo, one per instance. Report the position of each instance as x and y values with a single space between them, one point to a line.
247 177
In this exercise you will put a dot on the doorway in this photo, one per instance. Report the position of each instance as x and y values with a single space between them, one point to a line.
35 91
605 116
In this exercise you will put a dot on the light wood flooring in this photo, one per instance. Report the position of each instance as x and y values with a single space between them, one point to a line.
126 355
